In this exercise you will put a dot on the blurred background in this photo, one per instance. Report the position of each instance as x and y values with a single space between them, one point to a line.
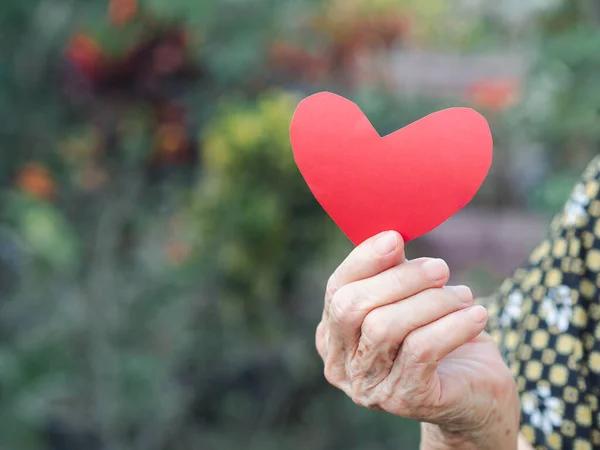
162 263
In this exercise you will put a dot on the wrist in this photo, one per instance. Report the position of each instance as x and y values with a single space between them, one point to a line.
434 438
498 431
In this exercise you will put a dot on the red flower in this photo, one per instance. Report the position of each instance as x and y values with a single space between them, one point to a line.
85 53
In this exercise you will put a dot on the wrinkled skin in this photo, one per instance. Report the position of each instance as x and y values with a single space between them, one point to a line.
396 339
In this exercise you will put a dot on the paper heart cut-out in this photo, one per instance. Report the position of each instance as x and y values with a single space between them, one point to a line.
410 181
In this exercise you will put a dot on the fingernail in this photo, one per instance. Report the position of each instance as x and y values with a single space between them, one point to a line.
464 294
435 269
478 313
385 243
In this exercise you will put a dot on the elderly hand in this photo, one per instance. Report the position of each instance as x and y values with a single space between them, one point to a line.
394 338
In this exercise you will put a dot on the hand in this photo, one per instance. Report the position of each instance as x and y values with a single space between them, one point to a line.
394 338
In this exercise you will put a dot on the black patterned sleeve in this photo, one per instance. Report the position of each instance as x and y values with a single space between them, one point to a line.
546 321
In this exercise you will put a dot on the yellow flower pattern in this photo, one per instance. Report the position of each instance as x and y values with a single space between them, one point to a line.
546 321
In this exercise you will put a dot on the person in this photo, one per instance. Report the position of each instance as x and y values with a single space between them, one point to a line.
517 370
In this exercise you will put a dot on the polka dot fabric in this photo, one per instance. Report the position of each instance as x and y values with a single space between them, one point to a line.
546 321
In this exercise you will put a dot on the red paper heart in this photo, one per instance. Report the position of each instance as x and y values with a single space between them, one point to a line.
410 181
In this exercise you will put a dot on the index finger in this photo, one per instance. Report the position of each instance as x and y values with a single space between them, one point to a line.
375 255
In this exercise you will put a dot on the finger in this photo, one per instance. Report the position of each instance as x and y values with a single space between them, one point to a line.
385 328
353 302
424 348
373 256
393 322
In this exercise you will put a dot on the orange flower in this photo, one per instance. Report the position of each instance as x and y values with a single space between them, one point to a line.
36 180
494 94
171 138
122 12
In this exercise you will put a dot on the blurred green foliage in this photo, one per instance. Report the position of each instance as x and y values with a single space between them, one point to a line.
561 108
161 260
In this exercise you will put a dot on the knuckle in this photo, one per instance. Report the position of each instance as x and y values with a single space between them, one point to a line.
417 350
355 392
373 397
331 374
375 328
359 394
356 397
357 401
360 400
346 305
332 286
338 308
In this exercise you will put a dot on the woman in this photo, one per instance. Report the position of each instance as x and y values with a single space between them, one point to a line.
395 338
